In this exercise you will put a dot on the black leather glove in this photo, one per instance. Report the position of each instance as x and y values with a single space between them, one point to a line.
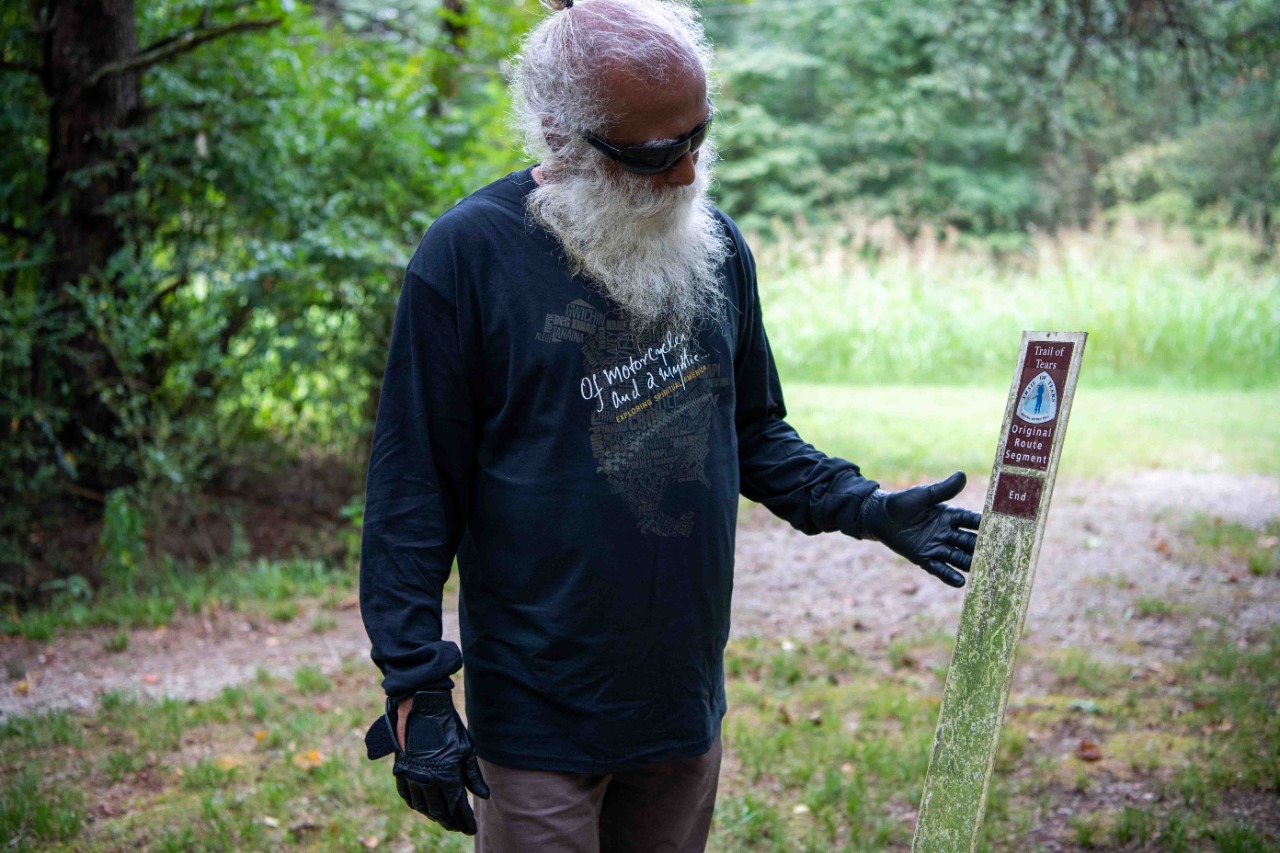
918 525
438 763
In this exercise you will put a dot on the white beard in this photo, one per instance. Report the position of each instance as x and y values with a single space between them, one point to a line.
654 250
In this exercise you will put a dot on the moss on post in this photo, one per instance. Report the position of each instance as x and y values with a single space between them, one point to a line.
1017 504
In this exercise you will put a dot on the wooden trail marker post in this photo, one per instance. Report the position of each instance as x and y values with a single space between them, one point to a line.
1004 565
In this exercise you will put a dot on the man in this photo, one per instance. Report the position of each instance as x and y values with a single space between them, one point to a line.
578 388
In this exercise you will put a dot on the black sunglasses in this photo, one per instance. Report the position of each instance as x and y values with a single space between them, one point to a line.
652 159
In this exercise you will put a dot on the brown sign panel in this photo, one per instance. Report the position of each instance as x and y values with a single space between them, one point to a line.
1017 495
1035 412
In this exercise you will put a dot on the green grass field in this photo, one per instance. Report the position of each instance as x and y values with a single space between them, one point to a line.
900 433
1164 309
826 750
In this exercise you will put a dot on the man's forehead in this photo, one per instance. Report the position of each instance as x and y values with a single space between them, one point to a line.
631 97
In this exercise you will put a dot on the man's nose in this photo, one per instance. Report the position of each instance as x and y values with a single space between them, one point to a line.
683 173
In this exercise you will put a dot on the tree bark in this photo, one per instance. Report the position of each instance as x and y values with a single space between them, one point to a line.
90 163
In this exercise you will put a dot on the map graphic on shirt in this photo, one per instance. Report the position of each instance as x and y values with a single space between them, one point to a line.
651 399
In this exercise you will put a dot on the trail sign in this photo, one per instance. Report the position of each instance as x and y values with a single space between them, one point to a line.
1004 565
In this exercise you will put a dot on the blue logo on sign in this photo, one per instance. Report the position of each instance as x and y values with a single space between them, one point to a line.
1039 401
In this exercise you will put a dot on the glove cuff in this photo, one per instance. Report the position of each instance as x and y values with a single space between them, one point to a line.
380 740
871 516
433 703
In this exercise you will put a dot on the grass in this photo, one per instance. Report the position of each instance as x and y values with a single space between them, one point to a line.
1237 545
859 304
271 588
826 742
1112 431
827 745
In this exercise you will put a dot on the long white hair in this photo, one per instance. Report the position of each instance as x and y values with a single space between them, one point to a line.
654 249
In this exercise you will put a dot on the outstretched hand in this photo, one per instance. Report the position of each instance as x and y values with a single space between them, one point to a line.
918 524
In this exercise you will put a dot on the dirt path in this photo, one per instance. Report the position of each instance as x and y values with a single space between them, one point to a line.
1109 544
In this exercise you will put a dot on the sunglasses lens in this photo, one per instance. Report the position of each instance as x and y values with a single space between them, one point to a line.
645 160
650 161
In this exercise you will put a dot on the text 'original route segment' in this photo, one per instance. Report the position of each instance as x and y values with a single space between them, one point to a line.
1004 564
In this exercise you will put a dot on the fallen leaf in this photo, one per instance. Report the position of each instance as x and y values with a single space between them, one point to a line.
309 760
1088 751
349 603
260 735
784 716
22 688
227 762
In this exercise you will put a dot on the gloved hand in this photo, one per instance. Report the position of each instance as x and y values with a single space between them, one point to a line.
438 762
918 525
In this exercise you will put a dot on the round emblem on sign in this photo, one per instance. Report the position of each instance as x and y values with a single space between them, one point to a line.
1039 401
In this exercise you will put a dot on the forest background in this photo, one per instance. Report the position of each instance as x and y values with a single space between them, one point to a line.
206 209
205 213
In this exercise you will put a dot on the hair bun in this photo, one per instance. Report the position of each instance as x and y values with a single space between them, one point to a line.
557 5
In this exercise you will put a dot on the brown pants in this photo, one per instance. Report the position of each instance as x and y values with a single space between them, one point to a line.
657 807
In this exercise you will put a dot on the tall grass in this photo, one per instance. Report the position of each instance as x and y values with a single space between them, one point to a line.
858 303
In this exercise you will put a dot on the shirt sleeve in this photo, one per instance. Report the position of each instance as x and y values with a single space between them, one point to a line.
418 489
814 492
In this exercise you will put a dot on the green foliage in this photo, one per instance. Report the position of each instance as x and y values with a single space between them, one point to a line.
1238 545
282 177
117 642
992 116
121 548
311 680
279 176
826 746
270 587
824 106
858 303
353 512
32 813
1134 826
1236 682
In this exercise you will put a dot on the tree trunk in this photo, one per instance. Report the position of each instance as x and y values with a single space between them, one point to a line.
90 163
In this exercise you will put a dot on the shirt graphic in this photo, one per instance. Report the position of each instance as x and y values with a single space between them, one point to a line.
651 399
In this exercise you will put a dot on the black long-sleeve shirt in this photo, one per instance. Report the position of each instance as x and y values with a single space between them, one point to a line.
586 482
